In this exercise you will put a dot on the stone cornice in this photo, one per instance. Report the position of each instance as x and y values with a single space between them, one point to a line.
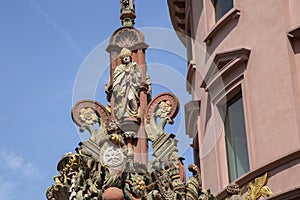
231 15
177 10
225 72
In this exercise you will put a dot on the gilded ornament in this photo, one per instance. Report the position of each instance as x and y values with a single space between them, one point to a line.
137 185
258 188
116 139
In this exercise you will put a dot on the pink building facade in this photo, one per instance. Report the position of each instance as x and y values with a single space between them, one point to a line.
244 77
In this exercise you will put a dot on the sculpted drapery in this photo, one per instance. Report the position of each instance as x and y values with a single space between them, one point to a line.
127 80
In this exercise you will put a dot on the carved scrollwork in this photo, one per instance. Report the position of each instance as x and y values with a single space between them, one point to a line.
87 112
135 186
68 167
171 104
57 192
161 110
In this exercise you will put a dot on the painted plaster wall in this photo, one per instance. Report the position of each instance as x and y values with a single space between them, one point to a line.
270 85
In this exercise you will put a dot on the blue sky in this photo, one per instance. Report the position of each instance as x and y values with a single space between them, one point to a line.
45 48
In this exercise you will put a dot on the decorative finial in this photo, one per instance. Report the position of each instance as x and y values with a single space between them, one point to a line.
127 13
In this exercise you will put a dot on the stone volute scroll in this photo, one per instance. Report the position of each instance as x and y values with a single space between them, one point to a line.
87 111
161 110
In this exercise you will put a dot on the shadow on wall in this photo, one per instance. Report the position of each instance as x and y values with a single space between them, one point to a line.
218 38
294 38
295 42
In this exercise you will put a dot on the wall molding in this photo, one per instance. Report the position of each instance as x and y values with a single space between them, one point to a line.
231 15
225 73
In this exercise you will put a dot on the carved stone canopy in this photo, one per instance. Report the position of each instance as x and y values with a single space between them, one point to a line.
127 37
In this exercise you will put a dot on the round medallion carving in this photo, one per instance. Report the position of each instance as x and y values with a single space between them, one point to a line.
167 101
113 157
84 112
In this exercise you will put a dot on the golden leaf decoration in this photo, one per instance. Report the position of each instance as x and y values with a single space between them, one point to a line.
258 188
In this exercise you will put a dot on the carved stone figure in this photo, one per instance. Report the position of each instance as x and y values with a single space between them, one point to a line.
194 185
127 5
126 86
234 192
206 195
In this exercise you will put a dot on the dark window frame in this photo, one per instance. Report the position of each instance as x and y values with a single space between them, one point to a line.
234 152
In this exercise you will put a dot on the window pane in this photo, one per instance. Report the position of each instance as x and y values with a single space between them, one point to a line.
222 7
226 5
236 141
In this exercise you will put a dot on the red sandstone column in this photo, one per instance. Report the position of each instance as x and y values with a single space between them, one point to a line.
142 144
114 62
